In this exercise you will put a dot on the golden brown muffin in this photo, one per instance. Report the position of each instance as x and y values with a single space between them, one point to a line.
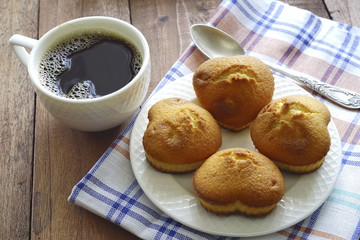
239 180
234 89
292 131
180 135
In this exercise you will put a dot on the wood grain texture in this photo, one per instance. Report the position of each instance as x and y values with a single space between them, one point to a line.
41 159
63 156
315 6
17 119
165 24
344 11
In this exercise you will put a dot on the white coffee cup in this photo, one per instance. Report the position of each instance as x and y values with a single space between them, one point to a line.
95 114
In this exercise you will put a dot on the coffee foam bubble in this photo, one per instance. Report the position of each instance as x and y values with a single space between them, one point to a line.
54 62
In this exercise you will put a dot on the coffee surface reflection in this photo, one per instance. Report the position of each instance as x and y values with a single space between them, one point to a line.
89 65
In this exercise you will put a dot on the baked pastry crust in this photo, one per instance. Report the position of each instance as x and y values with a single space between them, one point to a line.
234 89
239 180
292 131
180 135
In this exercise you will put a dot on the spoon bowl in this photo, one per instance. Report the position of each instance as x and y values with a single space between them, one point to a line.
213 42
224 45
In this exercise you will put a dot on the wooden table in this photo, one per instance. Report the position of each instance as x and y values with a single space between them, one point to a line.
41 159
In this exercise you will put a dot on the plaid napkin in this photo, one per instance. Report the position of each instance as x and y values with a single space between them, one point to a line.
281 34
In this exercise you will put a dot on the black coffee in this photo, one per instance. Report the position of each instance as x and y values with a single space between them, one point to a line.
89 65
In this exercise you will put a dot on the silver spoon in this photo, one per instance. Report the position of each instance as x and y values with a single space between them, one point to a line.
213 42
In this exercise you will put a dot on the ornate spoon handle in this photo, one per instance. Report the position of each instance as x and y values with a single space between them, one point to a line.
340 96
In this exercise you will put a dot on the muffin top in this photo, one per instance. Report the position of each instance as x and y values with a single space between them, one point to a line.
234 89
180 132
238 174
293 130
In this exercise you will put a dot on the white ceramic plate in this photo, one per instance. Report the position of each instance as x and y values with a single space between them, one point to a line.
173 193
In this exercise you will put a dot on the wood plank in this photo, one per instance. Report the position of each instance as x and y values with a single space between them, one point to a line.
315 6
63 156
165 24
344 11
16 120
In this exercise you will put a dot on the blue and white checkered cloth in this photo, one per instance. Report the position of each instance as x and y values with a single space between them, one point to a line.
281 34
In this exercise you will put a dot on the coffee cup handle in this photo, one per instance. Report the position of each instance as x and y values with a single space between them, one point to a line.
19 45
